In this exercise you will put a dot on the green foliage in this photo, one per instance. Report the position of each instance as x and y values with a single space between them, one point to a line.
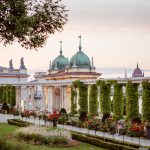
93 102
8 88
5 106
118 102
30 22
1 94
83 95
146 101
73 101
105 102
124 106
132 103
13 96
113 145
83 116
18 122
4 94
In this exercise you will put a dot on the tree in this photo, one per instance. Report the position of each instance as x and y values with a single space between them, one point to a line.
118 102
8 87
4 94
30 22
13 96
1 94
105 101
132 103
146 101
93 103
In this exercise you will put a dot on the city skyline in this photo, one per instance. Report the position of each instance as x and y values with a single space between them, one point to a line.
116 33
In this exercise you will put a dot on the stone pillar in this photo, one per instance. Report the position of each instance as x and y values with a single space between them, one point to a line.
98 98
50 95
43 97
24 97
32 96
18 96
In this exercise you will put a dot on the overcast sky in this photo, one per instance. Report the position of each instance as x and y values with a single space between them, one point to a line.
115 32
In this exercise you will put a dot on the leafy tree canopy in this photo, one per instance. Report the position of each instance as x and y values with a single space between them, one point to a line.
30 22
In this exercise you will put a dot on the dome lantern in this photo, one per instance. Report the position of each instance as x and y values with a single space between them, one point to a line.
80 59
60 62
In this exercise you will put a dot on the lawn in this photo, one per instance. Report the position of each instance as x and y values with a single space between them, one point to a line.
6 129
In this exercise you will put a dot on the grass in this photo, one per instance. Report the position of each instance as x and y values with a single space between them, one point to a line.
6 129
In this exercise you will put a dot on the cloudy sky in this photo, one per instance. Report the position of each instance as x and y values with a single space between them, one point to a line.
115 32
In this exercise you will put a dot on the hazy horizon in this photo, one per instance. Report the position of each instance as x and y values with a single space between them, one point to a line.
116 33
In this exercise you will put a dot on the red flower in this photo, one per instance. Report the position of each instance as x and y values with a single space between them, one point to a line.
53 117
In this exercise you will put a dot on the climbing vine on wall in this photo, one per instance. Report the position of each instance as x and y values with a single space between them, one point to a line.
118 102
83 95
93 102
13 96
105 101
132 103
146 101
1 94
73 100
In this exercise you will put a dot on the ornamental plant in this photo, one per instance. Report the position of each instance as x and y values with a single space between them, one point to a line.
42 135
132 104
136 130
54 117
93 102
146 101
118 102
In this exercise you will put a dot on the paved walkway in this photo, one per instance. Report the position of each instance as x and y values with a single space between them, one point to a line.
141 141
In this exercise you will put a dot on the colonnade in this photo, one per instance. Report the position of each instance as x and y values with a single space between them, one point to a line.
52 97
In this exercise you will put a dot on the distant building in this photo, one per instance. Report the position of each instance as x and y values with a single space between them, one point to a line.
13 75
137 72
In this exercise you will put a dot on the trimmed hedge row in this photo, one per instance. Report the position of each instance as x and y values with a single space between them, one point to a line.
18 122
99 142
6 145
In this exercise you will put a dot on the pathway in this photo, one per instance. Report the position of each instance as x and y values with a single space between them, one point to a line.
141 141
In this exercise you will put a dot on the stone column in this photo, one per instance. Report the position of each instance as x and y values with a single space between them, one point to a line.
43 97
18 96
32 97
24 97
50 98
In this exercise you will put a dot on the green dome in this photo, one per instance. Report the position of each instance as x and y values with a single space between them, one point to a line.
59 62
81 60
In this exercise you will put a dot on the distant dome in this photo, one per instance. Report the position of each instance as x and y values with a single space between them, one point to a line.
60 62
137 72
80 59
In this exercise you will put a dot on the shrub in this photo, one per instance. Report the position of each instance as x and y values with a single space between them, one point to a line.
83 116
99 142
43 135
63 111
18 122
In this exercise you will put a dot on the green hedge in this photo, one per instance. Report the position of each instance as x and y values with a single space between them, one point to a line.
132 100
146 101
93 102
18 122
105 101
118 102
98 142
6 145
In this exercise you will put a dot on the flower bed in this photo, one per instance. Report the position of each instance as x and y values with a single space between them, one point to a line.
45 136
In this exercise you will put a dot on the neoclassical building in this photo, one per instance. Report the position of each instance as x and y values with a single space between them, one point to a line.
62 70
51 90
